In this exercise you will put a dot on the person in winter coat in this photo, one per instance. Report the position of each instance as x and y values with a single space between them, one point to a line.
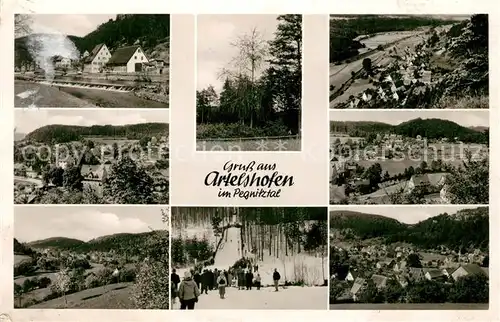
249 279
215 276
205 281
230 279
222 283
174 281
276 279
211 280
241 278
258 281
188 292
197 278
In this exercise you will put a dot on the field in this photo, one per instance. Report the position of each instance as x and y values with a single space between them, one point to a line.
340 75
20 258
249 145
27 181
395 167
385 38
113 296
52 275
411 306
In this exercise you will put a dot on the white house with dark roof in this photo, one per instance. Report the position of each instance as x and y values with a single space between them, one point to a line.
94 176
468 269
129 59
95 62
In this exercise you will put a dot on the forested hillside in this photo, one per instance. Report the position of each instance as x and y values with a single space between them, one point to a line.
22 249
66 133
57 242
438 128
344 31
467 229
124 242
428 128
151 32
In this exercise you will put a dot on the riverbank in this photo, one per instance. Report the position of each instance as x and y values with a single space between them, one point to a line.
47 96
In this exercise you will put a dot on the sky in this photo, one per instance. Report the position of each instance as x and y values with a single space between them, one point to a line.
214 37
75 25
464 118
408 215
84 223
27 120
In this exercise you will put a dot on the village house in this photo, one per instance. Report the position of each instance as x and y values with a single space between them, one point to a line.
157 66
380 281
129 59
19 169
95 62
351 276
400 266
61 62
30 173
466 270
388 263
94 176
416 274
418 181
359 283
435 274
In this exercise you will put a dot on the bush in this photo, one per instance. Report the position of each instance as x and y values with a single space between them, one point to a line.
25 268
236 130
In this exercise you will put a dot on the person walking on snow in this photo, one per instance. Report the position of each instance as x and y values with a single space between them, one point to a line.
174 280
276 279
249 279
222 283
205 281
241 278
258 281
188 292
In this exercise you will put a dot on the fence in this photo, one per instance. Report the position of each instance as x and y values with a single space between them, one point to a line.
267 143
255 138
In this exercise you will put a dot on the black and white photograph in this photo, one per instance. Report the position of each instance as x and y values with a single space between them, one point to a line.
91 257
249 82
112 60
409 61
403 157
87 157
249 258
409 258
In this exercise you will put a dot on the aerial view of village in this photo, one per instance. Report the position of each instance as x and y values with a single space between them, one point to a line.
399 157
412 61
249 82
92 60
91 257
84 157
428 258
249 258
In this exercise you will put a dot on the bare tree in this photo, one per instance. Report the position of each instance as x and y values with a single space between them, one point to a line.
246 65
22 25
